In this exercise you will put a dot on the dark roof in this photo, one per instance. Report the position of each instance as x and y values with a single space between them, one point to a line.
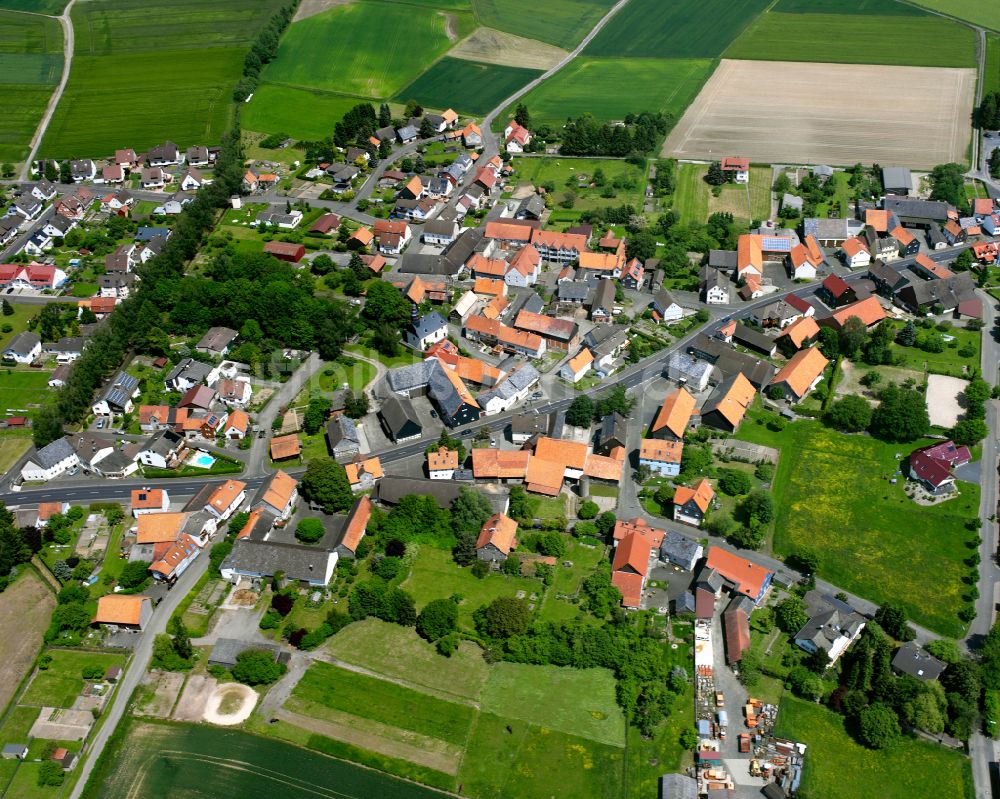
425 325
52 453
119 391
730 362
391 489
420 263
676 547
824 628
226 650
216 338
722 259
397 412
949 292
613 428
298 562
678 786
912 660
753 339
23 343
530 423
916 209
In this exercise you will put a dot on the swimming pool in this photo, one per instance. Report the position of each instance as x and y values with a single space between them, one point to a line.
202 460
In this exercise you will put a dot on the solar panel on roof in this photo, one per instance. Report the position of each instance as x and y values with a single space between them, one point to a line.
775 244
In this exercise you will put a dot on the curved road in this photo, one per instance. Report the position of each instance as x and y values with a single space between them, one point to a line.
68 46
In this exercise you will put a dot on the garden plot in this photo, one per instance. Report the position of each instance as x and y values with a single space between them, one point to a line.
815 115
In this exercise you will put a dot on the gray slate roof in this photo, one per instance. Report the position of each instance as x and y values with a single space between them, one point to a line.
408 378
51 454
912 660
428 324
298 562
678 548
23 343
397 411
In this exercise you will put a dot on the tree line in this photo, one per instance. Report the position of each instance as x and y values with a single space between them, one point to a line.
639 134
262 51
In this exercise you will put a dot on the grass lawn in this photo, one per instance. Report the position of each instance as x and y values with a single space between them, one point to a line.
680 29
611 88
948 362
357 374
576 701
693 198
18 321
991 73
536 762
467 86
904 771
560 22
62 681
399 653
567 582
435 576
547 507
405 358
23 391
560 171
385 702
30 65
856 39
380 48
831 495
13 446
191 50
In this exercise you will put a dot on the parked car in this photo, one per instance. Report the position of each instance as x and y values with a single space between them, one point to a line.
100 424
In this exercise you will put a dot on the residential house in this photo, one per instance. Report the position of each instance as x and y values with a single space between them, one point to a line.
897 180
153 178
666 308
442 463
661 456
907 243
126 158
237 425
117 395
577 367
310 566
729 362
234 393
24 348
363 473
558 334
674 417
166 154
869 311
193 180
497 539
44 191
165 449
855 254
801 374
279 219
835 291
441 232
83 169
525 268
392 235
739 574
225 500
831 629
949 294
201 398
680 550
52 460
149 500
217 341
805 259
691 504
633 275
726 406
689 371
198 156
914 661
803 332
933 466
736 169
342 438
509 391
187 374
629 569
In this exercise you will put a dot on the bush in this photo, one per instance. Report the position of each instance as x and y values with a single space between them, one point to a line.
387 568
309 531
438 618
734 482
257 667
588 510
878 726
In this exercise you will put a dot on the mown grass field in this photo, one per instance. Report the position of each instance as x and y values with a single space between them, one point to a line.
62 681
467 86
308 114
186 56
202 762
12 447
611 88
399 653
694 200
30 65
856 39
832 494
23 390
910 768
560 22
380 48
681 29
574 701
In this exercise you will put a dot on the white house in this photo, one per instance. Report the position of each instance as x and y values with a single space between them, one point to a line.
715 287
277 495
665 307
164 449
855 254
577 367
117 396
149 500
442 463
227 499
193 180
524 268
50 461
426 330
516 137
24 348
514 388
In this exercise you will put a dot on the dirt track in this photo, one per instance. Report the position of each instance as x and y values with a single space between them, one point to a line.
838 114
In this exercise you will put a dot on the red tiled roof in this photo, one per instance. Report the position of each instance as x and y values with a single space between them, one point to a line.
749 578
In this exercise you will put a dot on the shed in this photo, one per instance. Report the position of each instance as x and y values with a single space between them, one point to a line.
285 251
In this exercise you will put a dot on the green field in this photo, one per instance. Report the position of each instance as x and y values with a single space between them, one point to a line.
694 200
874 7
12 447
435 576
509 758
399 653
970 10
189 54
907 770
991 71
832 495
611 88
574 701
466 86
197 762
61 682
380 48
680 29
30 65
560 22
35 6
857 39
307 114
22 390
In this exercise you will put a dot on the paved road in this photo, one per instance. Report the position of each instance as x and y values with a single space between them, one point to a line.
68 47
137 669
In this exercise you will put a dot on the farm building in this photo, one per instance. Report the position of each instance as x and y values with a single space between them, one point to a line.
285 251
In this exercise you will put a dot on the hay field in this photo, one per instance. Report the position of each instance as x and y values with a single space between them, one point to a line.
506 49
818 116
24 614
